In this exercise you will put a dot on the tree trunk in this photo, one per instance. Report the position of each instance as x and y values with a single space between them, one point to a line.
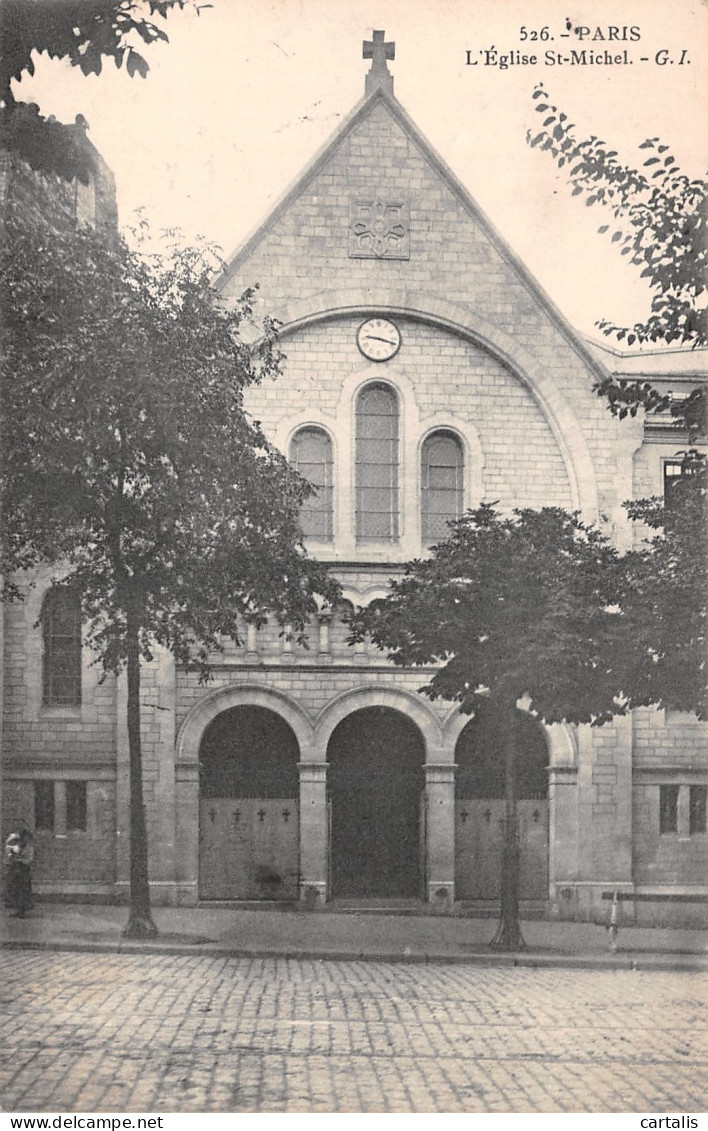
508 933
140 924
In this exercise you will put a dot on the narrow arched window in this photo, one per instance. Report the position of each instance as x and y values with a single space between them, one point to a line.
311 456
442 494
61 631
377 465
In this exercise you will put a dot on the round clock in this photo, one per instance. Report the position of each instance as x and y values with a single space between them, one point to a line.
378 339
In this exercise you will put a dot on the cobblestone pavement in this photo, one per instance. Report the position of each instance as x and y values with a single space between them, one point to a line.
161 1033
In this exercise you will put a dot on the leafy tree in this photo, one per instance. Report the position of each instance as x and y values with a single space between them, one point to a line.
508 607
85 32
132 465
665 595
661 224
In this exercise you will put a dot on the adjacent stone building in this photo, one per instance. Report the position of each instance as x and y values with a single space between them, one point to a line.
426 372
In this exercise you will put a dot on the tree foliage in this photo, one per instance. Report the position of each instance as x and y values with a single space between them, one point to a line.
127 447
507 607
83 31
86 32
538 606
666 595
129 460
661 217
661 225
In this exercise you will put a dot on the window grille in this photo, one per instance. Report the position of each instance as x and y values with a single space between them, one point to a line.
61 626
676 471
311 456
377 465
441 485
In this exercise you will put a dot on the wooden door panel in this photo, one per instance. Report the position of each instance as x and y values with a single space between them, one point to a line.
479 839
248 848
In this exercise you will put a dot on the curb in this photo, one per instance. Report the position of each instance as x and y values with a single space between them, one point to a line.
619 961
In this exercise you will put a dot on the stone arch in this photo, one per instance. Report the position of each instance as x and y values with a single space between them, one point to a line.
560 738
466 323
247 845
479 761
473 452
242 695
310 418
377 696
373 593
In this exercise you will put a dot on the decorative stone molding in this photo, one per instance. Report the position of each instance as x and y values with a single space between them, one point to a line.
560 739
379 228
473 453
465 322
377 696
242 695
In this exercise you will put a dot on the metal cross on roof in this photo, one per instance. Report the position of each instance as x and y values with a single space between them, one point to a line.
379 51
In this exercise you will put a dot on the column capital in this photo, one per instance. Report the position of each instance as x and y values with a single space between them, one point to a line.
440 771
313 771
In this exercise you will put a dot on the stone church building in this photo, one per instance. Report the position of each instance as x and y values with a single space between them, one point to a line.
426 372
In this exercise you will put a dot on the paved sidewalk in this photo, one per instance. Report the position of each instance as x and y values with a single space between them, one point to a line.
249 932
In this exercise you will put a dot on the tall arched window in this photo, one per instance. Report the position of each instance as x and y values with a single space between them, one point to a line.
442 494
61 630
377 465
311 456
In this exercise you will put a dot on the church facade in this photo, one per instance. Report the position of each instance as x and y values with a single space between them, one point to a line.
426 371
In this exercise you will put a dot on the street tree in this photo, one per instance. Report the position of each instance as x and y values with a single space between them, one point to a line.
131 465
665 598
510 608
660 224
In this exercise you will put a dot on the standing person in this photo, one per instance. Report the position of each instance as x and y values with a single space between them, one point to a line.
17 866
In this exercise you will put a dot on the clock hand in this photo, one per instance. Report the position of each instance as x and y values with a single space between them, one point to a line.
376 338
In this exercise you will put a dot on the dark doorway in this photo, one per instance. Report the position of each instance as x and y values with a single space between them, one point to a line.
376 781
248 809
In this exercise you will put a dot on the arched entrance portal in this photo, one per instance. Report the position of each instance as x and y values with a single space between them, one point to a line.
479 807
376 780
248 807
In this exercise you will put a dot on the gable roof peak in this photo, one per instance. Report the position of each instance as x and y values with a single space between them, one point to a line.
378 77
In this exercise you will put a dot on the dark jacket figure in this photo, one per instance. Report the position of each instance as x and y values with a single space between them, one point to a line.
17 872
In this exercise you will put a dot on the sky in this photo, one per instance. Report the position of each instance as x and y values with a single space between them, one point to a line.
247 91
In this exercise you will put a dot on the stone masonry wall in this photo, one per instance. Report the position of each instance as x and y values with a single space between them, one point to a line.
304 256
57 744
521 463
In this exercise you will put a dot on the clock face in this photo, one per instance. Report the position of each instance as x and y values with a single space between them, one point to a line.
378 339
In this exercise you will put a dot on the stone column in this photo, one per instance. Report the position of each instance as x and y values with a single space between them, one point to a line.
251 656
60 809
157 729
627 442
313 833
122 869
160 703
440 834
286 653
562 840
186 834
604 814
324 621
